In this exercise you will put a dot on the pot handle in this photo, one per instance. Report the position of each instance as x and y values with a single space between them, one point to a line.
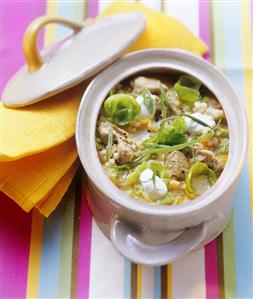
126 241
31 52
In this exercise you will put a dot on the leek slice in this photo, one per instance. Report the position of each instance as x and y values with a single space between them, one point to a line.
187 89
199 170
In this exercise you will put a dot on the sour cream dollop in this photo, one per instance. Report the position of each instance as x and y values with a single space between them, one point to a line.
196 128
145 114
154 188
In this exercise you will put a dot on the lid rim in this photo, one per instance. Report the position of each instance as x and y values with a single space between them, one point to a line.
21 91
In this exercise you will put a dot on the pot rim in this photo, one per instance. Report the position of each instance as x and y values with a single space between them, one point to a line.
101 180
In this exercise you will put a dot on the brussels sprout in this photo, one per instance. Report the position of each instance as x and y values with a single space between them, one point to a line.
122 108
187 89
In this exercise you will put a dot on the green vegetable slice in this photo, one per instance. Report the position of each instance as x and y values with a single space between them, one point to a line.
199 169
224 147
165 101
133 177
162 101
109 145
148 101
155 166
187 89
122 108
175 134
221 132
167 199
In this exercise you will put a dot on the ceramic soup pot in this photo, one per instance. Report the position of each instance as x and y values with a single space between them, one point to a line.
149 234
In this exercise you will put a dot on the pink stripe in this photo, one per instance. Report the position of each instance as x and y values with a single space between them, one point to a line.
85 231
93 8
15 224
15 229
204 21
15 18
212 289
211 271
84 248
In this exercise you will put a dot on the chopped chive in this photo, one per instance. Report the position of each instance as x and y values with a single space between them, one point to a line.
109 145
201 122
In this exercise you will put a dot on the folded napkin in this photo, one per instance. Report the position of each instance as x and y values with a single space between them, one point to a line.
32 181
38 152
161 31
41 126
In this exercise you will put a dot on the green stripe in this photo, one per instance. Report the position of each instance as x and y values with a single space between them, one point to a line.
228 234
79 10
67 242
229 260
85 9
73 10
218 33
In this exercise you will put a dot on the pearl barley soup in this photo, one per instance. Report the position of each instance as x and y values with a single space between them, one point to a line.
162 139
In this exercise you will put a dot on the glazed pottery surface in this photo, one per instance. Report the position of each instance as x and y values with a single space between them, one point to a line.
148 234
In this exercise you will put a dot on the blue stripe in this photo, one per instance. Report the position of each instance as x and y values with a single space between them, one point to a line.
127 279
157 282
243 237
67 10
51 253
233 58
51 247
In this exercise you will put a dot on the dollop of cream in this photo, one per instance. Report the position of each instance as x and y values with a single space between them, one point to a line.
153 187
196 128
144 114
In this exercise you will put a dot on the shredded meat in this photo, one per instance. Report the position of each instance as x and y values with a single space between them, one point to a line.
125 152
153 85
103 129
177 164
209 158
124 149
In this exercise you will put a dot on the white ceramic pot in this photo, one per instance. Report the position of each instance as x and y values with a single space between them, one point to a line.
148 234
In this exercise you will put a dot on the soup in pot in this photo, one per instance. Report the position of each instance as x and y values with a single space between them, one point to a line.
162 139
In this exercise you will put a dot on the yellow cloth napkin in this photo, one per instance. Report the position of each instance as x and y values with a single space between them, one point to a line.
37 150
161 30
49 203
32 181
41 126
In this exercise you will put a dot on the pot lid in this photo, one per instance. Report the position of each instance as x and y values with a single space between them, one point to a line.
66 63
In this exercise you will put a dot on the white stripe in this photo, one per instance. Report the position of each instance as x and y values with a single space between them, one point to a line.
66 10
107 267
147 285
189 276
185 11
153 4
103 4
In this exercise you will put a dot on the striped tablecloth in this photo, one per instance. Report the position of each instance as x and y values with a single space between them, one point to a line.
66 255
